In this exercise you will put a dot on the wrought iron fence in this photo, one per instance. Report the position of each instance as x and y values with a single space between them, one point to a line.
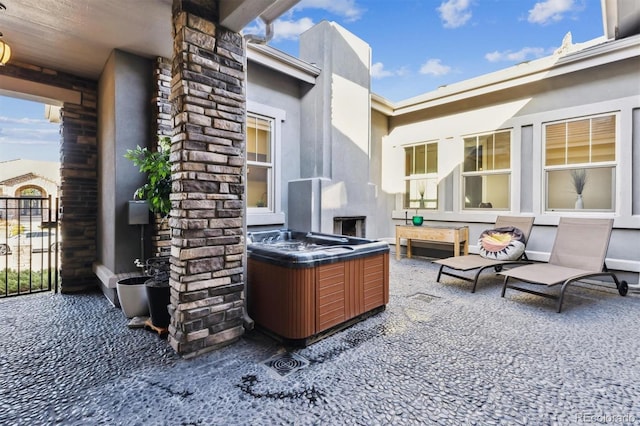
30 245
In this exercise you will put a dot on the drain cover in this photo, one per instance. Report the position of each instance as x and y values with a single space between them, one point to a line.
424 297
286 363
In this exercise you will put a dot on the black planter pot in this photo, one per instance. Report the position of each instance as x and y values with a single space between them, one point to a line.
158 297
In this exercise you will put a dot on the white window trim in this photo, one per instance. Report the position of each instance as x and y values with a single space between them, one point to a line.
616 164
421 176
509 171
258 215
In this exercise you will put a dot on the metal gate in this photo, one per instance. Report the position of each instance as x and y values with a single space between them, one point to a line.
30 245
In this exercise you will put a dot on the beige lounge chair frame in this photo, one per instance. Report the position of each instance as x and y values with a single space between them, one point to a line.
473 261
578 253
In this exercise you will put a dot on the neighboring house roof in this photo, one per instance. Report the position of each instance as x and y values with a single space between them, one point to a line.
16 169
21 179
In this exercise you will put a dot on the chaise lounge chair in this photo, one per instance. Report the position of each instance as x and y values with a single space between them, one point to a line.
473 261
578 253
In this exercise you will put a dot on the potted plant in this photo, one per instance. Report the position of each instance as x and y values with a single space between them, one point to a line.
156 192
158 290
158 169
421 190
579 180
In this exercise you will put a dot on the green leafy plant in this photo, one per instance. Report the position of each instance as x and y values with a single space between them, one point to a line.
29 281
158 169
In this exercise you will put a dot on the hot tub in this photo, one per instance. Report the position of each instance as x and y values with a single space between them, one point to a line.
305 285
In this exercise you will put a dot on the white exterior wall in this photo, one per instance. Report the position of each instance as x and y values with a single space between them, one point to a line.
336 153
47 186
608 88
276 96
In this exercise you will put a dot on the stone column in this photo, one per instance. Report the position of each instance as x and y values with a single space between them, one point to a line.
162 125
207 156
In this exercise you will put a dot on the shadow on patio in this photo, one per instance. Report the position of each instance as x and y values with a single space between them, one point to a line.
437 354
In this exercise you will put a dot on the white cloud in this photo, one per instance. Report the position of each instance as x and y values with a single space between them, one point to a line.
454 13
290 30
287 28
378 71
26 141
283 29
31 132
549 10
521 55
24 120
348 9
435 67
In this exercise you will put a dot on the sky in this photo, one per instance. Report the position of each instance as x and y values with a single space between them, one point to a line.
25 133
419 45
416 46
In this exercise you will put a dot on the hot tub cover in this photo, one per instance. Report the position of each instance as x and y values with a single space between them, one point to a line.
295 249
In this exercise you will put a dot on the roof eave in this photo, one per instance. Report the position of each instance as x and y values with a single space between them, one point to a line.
381 104
283 63
552 66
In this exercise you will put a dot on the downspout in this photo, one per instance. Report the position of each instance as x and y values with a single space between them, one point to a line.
268 17
257 39
248 322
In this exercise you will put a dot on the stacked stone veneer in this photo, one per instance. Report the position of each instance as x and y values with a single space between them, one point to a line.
161 125
207 155
79 173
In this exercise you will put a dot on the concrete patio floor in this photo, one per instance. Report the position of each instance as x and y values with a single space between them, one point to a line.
437 355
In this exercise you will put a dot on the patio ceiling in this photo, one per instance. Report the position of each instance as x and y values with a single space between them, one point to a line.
77 36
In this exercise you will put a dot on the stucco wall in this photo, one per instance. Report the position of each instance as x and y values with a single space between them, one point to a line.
384 201
336 127
610 88
124 120
267 87
106 166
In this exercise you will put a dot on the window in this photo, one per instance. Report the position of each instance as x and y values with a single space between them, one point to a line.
486 173
263 147
580 164
421 176
33 206
259 162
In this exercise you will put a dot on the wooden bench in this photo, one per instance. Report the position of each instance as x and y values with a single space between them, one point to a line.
457 235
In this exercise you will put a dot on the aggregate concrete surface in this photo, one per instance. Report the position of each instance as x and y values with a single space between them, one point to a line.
437 355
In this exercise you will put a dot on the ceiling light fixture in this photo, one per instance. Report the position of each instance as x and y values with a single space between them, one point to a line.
5 50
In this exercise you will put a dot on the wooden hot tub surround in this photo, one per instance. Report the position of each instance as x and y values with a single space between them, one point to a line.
300 300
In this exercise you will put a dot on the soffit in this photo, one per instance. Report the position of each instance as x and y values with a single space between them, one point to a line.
77 36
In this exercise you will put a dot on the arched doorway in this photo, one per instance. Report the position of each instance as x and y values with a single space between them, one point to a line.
31 201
